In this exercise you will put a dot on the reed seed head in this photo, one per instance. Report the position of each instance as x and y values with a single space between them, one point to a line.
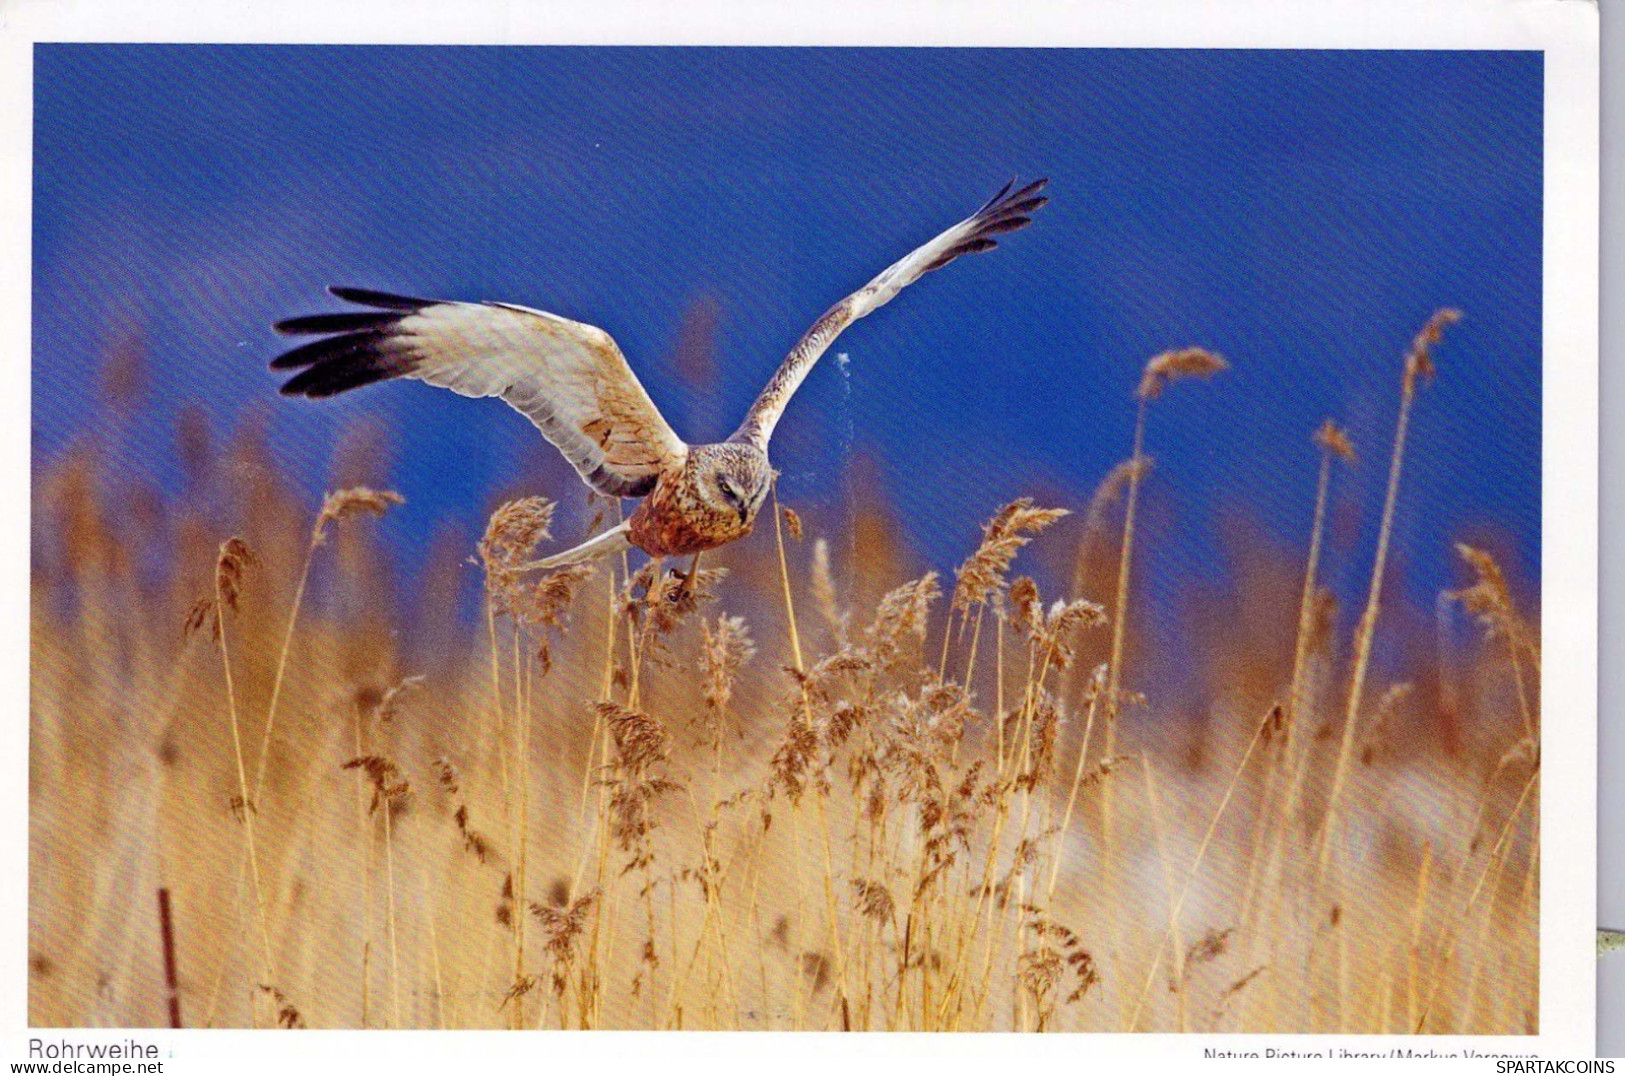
1489 600
1057 630
873 900
287 1015
235 558
511 534
1334 440
724 651
902 614
640 740
1170 366
982 574
1419 361
356 501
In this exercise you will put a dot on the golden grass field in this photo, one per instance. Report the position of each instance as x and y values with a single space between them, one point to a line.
816 789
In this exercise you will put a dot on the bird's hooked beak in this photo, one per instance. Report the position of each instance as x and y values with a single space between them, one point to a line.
748 510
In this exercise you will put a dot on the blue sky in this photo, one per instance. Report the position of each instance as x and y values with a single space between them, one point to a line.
1301 213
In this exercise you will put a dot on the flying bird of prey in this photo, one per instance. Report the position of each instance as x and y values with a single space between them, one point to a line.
572 381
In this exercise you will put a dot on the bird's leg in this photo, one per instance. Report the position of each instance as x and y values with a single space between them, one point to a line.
685 585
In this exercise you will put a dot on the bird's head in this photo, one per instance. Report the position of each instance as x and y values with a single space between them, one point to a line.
732 478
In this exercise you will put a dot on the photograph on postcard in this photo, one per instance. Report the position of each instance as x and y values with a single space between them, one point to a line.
978 539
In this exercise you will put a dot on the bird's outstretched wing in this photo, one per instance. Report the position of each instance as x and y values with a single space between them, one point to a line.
570 379
1005 212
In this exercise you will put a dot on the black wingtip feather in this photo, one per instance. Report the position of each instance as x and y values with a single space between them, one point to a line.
993 201
354 348
1004 225
331 349
353 321
382 299
1030 189
332 378
1023 207
974 246
1007 211
1007 199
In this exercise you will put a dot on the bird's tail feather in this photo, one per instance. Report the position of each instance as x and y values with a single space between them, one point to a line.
614 540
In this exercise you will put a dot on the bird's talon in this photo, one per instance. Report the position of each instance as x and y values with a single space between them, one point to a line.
685 585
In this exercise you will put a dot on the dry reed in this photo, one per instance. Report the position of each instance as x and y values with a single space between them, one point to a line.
653 803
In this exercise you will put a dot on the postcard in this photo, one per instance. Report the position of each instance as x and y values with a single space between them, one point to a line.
559 521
